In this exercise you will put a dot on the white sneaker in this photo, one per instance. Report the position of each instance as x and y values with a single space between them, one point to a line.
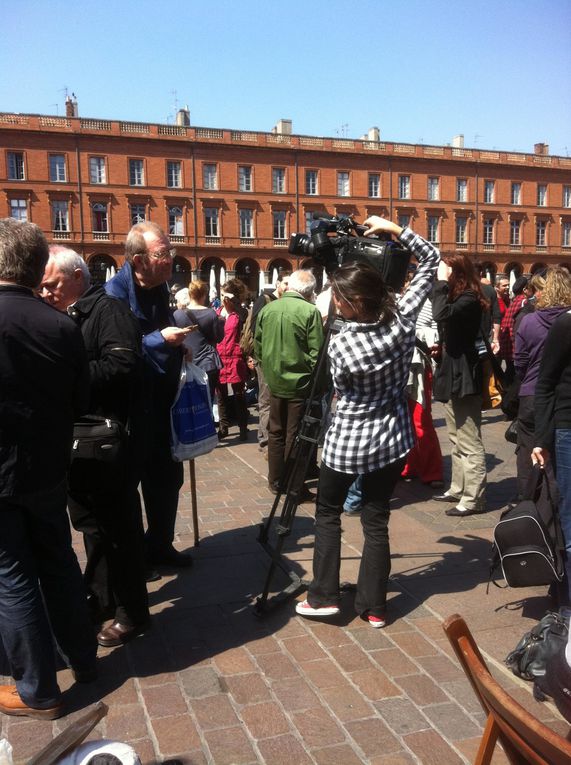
304 609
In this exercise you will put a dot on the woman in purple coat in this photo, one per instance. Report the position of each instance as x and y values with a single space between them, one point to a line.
529 341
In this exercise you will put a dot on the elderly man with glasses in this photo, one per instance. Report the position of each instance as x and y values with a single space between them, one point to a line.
142 285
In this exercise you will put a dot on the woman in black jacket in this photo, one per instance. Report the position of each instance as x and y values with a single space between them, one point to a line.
457 305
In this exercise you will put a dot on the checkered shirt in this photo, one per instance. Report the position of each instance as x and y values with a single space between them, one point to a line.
370 364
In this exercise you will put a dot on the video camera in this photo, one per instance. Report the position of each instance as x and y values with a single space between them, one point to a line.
348 246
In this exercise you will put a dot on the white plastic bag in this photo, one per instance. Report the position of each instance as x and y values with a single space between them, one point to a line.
192 425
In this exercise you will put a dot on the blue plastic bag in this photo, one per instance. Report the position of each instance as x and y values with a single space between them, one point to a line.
192 425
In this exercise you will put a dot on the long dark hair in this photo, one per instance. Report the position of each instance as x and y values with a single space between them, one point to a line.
362 286
464 277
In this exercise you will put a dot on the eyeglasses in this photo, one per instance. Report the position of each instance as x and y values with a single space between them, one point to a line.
163 254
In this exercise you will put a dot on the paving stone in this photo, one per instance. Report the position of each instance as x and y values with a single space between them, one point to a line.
401 715
304 648
264 720
294 694
329 634
374 684
370 639
230 746
214 712
398 758
276 666
373 736
422 690
394 662
351 658
163 678
233 661
452 721
283 750
431 748
440 668
126 722
337 755
247 689
145 751
469 748
346 702
27 738
323 673
164 700
261 645
414 644
176 734
202 681
318 728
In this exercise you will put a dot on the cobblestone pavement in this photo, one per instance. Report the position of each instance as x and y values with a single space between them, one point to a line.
212 683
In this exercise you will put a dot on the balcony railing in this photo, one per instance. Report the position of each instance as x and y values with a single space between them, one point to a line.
489 247
247 241
280 242
213 240
461 245
515 247
100 236
61 234
176 239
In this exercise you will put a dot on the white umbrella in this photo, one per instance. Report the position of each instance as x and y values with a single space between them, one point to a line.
212 294
222 275
274 277
512 280
261 281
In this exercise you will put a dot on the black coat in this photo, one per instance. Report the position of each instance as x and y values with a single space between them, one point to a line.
43 389
113 342
459 373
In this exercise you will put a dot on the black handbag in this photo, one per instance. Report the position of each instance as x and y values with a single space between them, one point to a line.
511 432
99 455
98 438
528 541
529 658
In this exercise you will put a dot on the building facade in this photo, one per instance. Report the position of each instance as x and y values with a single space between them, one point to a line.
231 199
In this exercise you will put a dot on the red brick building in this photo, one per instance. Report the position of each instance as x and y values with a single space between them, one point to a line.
232 198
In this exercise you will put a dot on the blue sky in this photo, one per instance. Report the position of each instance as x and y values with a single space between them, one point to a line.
421 70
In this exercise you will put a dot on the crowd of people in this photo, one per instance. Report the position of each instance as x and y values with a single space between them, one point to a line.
71 351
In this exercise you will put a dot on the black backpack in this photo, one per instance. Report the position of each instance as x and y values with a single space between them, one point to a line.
528 543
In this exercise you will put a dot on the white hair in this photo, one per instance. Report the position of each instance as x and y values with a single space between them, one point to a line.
68 261
302 281
182 298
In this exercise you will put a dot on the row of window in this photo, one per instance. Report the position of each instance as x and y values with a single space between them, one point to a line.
98 175
138 213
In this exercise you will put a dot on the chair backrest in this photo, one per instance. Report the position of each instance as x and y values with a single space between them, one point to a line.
524 738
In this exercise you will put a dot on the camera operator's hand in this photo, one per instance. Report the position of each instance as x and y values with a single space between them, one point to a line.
378 225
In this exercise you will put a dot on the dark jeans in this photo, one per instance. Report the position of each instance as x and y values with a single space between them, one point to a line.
563 474
375 567
112 528
283 424
160 485
41 584
525 442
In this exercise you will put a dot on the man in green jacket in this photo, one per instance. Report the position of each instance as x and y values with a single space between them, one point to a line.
289 334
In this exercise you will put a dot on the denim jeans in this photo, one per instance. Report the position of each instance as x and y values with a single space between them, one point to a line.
354 496
375 564
41 585
563 473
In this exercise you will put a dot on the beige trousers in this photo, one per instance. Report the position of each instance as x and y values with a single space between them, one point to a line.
464 419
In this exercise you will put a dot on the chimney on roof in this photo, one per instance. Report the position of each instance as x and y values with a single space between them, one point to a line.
71 108
374 134
541 148
458 141
183 117
283 127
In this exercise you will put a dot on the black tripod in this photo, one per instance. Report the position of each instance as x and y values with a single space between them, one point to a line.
300 457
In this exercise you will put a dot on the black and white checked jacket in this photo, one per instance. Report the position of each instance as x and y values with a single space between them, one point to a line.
370 363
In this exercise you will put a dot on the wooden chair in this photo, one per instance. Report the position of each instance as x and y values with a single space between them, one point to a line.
524 738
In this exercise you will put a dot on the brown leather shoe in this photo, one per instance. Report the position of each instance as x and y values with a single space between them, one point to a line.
12 704
117 634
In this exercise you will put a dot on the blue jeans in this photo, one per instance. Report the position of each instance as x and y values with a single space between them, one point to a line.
354 496
563 473
41 585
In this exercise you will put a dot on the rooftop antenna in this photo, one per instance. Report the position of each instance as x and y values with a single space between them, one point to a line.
57 108
477 136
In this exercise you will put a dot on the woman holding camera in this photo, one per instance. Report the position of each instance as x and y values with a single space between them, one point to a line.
371 431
